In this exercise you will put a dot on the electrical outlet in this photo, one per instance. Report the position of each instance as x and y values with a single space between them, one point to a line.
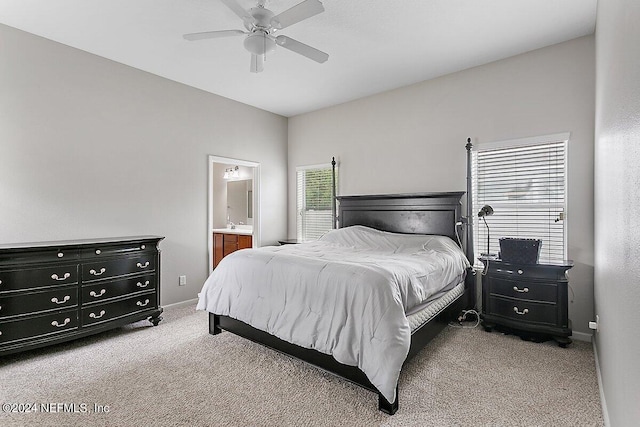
182 280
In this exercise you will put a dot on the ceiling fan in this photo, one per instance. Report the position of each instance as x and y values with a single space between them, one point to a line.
262 25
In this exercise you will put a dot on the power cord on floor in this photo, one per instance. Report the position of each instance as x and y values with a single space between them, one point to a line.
463 318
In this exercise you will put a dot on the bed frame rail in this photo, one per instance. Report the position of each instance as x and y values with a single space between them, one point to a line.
325 362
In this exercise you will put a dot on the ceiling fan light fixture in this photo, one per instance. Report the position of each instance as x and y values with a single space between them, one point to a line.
259 43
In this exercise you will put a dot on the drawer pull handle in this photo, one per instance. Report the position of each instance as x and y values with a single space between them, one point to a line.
60 254
97 273
65 299
142 247
0 282
0 332
58 325
143 304
520 271
525 311
65 276
97 316
93 293
142 285
515 288
98 251
145 265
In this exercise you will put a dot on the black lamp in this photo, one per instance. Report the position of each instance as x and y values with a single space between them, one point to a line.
483 213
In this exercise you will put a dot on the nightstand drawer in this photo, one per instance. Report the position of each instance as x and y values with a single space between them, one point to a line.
530 271
33 278
33 302
523 311
524 290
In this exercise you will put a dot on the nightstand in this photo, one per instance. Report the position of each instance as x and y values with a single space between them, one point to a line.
529 300
289 241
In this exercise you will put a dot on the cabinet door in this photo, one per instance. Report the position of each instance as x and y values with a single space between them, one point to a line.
218 248
230 243
244 242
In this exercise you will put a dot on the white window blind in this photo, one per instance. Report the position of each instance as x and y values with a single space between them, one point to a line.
314 197
525 185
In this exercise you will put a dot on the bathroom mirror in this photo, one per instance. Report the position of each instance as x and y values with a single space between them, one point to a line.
240 201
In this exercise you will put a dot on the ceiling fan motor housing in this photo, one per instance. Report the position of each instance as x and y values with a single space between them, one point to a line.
261 18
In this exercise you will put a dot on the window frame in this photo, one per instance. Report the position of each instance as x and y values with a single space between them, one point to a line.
480 246
300 229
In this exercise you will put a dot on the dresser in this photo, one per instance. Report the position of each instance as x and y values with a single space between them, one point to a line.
529 300
226 243
52 292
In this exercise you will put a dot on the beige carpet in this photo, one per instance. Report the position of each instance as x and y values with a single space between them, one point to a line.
177 374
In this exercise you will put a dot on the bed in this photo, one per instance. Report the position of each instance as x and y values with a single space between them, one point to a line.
363 300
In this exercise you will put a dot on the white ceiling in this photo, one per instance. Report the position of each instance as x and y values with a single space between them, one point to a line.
373 46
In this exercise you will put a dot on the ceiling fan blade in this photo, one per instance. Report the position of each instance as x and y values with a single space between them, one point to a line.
297 13
213 34
239 10
302 49
257 63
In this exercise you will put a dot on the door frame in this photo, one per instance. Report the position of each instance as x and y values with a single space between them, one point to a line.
256 200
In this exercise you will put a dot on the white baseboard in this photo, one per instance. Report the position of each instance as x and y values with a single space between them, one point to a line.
581 336
603 401
181 303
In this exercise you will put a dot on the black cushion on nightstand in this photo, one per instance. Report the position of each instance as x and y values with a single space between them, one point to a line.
520 251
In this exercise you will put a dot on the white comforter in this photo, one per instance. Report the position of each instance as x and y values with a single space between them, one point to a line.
345 294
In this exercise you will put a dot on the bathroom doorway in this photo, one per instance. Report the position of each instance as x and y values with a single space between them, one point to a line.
234 195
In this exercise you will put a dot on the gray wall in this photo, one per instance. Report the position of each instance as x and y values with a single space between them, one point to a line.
617 207
93 148
412 139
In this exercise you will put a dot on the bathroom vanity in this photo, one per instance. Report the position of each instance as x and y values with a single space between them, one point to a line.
228 240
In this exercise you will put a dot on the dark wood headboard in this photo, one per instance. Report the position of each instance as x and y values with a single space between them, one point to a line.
421 213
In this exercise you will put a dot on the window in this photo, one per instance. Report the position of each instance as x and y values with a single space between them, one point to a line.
524 181
314 198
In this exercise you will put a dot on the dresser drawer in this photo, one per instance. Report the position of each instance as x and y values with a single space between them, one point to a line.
99 313
99 251
99 292
537 291
523 311
116 267
24 303
32 327
39 255
33 278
